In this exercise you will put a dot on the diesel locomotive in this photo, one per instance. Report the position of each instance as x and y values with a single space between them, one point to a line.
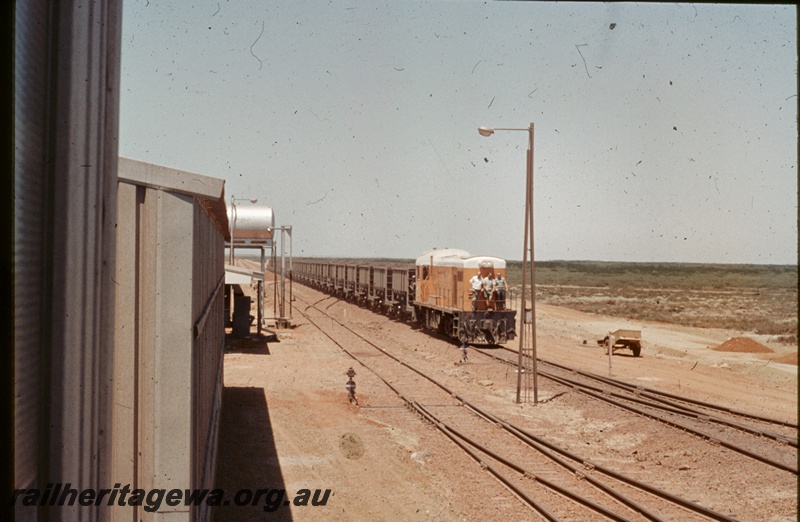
435 294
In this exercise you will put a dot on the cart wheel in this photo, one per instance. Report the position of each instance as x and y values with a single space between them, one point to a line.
637 350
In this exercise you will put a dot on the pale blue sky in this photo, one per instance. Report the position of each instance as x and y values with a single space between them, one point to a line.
670 137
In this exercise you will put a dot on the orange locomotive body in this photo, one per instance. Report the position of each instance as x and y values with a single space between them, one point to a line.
446 301
436 293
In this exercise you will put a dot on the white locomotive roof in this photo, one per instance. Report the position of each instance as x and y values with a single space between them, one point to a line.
457 258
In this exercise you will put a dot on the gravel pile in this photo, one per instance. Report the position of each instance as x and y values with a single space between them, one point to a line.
742 345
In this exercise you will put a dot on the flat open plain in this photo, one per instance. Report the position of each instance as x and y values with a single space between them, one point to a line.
286 421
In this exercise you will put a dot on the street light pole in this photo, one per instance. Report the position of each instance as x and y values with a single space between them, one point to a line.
529 216
528 248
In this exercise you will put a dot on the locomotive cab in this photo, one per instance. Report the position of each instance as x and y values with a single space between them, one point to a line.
446 301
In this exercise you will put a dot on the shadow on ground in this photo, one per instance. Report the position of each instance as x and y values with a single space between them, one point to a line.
254 344
247 459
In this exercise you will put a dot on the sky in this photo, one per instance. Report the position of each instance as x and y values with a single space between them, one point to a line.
662 132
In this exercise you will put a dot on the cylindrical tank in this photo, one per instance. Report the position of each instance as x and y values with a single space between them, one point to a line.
248 221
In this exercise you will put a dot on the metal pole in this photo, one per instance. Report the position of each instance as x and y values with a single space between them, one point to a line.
533 276
530 371
523 318
524 352
274 278
232 227
291 295
261 288
283 273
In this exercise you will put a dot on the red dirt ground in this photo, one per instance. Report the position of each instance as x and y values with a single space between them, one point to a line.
286 422
742 345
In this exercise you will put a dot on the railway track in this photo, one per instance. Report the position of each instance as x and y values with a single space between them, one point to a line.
556 483
681 401
746 434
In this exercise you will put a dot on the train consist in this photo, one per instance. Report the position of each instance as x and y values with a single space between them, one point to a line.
435 294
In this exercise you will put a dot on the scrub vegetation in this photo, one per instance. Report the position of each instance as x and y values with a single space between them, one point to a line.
759 299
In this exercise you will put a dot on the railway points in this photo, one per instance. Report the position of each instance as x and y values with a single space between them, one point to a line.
440 357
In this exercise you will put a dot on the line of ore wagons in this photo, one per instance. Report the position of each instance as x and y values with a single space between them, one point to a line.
435 293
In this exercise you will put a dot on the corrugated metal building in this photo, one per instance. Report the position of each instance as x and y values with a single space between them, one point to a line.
66 106
87 273
168 351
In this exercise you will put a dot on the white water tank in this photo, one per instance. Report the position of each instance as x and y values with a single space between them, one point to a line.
251 222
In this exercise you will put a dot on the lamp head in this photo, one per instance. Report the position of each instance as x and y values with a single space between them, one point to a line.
485 131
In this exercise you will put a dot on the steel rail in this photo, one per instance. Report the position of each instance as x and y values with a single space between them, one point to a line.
691 412
672 407
449 433
573 469
454 435
532 503
315 303
535 440
532 441
589 390
529 474
682 426
681 398
618 476
645 391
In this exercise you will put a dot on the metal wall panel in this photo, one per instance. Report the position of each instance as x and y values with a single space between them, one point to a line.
171 273
31 248
85 184
126 405
208 311
66 128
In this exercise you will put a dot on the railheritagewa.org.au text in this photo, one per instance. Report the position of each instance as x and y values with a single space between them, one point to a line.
152 500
